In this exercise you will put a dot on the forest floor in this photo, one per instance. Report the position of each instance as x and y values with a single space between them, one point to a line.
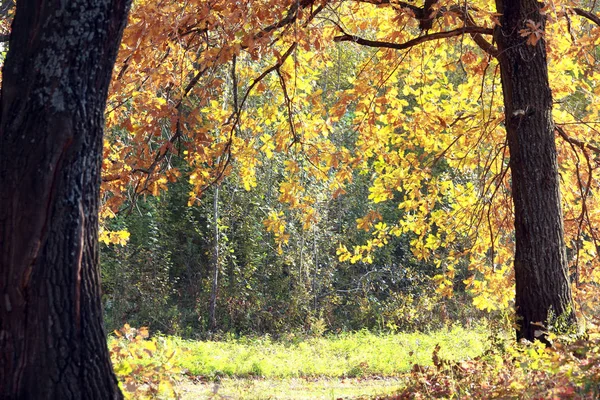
456 362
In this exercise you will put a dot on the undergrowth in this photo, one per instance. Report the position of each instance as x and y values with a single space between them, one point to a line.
146 367
522 371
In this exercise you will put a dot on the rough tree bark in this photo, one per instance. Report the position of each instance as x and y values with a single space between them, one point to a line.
541 270
55 83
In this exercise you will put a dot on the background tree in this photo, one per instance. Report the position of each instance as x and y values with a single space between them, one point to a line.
54 87
543 287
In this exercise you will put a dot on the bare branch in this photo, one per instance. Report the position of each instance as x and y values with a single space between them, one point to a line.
266 72
584 189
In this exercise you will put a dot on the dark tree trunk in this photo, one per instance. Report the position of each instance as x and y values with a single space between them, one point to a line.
541 271
55 83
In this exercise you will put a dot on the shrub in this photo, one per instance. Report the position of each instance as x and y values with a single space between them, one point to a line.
144 366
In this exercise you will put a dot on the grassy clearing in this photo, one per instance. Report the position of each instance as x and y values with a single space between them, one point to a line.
342 356
350 365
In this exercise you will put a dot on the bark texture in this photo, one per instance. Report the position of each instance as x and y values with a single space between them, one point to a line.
541 270
55 83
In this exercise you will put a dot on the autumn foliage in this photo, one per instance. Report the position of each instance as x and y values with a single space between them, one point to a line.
341 88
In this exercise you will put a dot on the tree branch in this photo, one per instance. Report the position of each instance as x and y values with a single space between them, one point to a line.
290 18
581 144
586 14
477 38
462 12
234 118
415 41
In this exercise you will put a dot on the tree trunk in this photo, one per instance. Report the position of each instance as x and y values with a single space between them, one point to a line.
541 272
212 316
55 83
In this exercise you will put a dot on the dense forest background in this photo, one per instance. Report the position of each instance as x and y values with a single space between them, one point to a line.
163 277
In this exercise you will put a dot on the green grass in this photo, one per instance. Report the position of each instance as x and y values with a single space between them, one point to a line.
349 355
